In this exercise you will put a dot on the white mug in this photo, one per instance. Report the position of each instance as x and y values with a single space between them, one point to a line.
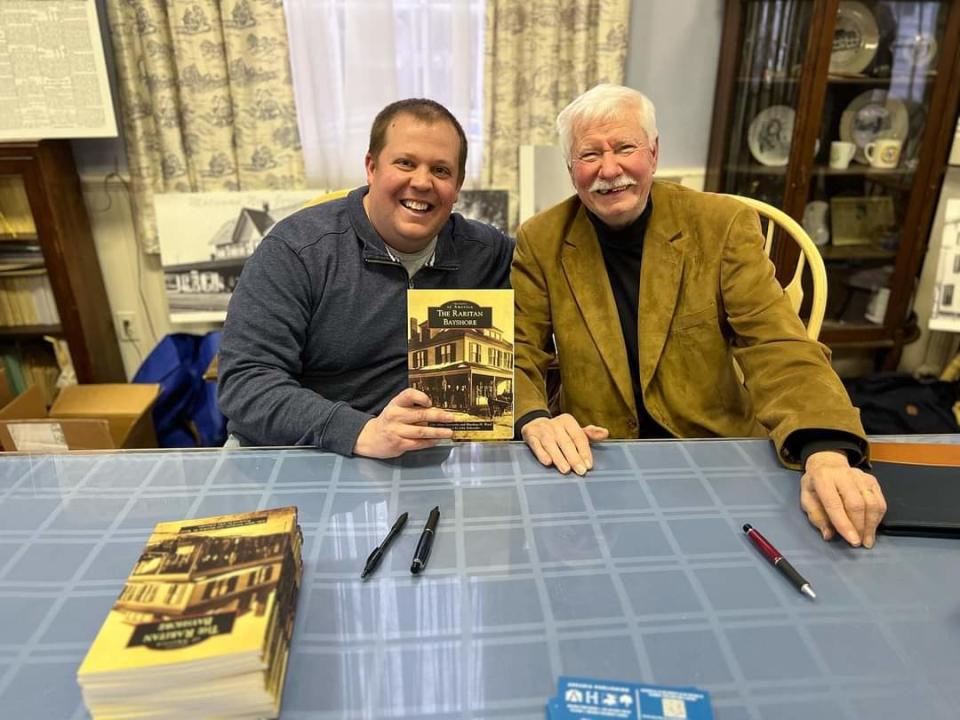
877 307
883 152
841 153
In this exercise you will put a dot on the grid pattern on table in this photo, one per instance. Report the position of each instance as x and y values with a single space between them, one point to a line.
639 572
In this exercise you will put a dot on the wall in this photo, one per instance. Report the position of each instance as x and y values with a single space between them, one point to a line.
133 279
672 58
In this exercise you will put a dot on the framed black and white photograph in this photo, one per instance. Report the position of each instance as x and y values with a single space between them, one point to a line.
206 237
489 206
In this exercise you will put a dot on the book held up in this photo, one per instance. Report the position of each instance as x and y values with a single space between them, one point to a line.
460 353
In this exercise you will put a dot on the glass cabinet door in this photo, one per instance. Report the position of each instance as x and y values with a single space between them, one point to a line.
28 310
879 84
26 300
764 100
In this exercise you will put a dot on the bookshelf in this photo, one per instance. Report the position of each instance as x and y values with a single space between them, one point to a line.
50 280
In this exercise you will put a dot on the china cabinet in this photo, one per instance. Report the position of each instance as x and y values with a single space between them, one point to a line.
841 113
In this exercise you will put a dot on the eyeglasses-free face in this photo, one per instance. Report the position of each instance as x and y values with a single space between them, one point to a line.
612 167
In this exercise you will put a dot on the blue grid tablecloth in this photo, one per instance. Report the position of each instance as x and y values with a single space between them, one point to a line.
640 572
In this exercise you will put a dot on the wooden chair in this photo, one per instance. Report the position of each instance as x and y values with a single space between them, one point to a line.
326 197
770 219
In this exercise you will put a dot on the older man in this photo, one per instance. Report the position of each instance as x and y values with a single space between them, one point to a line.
314 347
649 291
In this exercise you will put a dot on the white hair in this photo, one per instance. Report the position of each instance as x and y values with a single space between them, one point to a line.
601 103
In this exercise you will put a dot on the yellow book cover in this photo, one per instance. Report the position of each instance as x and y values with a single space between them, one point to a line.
460 353
202 590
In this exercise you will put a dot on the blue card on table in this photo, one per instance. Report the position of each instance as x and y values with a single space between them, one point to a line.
588 698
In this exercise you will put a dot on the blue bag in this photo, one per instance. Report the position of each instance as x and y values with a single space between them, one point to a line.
186 413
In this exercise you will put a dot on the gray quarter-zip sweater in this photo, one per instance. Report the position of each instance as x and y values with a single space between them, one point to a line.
315 341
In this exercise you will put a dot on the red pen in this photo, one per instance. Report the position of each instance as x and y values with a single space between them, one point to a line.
778 561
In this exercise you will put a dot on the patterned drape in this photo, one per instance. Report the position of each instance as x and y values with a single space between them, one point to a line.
540 55
206 99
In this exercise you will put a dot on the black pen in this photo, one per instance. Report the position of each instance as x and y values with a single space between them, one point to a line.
778 561
422 552
374 559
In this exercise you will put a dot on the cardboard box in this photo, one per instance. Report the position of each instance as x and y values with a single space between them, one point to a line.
83 417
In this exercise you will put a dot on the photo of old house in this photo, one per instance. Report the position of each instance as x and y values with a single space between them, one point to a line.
204 240
197 574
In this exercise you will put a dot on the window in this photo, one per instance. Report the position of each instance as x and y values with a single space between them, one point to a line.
475 354
446 353
343 76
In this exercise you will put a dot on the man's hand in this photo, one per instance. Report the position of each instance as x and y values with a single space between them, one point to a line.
839 498
402 426
561 442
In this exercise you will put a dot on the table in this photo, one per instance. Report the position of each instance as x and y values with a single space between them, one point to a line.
640 572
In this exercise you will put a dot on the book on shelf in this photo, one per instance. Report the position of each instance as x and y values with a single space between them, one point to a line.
203 624
33 363
26 298
16 254
16 217
460 353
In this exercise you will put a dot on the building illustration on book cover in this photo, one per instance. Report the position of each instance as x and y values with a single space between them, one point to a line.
203 588
460 353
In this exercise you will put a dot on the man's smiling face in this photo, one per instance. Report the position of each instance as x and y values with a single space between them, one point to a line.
612 167
413 182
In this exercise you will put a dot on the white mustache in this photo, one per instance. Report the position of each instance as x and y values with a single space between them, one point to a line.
623 181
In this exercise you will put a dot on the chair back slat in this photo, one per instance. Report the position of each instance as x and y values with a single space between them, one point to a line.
772 219
771 231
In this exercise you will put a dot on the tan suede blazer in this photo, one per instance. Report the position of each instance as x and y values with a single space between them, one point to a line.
707 295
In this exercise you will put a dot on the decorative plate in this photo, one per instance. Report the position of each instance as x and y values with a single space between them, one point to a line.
769 135
871 115
855 38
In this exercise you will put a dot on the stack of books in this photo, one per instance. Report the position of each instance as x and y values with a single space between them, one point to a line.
202 627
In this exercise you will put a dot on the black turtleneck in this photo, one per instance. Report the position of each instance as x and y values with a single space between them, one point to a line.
622 254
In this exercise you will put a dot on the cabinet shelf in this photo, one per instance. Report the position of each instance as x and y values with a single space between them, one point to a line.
883 81
838 79
855 252
757 169
862 170
25 331
768 79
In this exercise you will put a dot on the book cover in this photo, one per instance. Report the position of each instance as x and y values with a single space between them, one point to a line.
202 591
460 353
921 487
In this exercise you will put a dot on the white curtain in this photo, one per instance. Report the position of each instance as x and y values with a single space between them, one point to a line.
350 58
